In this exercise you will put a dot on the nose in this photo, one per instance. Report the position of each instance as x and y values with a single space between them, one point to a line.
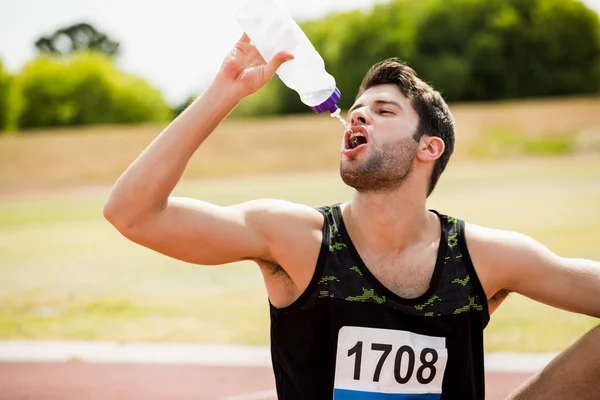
359 117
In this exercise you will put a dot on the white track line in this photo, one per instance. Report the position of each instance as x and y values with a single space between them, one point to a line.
137 353
198 354
517 362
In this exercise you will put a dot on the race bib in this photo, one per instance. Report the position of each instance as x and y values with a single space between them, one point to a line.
388 364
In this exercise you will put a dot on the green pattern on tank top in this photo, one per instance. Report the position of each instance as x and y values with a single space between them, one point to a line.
344 280
462 281
356 269
428 302
471 306
326 279
337 247
368 294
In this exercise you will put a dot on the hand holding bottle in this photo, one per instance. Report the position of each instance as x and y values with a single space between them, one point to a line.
245 70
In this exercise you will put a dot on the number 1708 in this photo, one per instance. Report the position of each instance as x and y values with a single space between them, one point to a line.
404 353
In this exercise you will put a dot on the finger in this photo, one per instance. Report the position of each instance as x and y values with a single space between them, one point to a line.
245 38
276 62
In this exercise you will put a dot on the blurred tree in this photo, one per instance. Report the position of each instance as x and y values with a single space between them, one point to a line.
4 90
9 100
560 50
85 88
269 100
498 49
81 36
179 108
458 47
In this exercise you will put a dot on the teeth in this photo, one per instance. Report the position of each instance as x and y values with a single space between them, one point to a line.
353 139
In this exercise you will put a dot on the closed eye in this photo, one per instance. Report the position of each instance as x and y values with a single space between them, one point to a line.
385 111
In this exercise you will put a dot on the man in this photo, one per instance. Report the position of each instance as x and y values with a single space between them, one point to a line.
376 297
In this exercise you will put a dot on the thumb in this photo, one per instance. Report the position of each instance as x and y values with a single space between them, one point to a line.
274 63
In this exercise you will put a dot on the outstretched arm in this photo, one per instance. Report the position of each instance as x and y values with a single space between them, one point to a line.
140 205
510 261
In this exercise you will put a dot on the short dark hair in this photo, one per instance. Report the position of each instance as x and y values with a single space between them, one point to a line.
435 118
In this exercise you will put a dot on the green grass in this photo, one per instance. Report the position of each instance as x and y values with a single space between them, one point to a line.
231 317
67 274
522 324
506 143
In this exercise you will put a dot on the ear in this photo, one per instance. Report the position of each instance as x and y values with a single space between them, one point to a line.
430 148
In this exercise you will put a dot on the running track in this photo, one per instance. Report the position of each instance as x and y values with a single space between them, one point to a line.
91 381
107 371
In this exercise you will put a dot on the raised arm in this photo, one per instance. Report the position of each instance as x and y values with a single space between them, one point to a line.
140 205
513 262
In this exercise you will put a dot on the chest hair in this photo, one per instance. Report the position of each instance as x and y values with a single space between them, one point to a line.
407 276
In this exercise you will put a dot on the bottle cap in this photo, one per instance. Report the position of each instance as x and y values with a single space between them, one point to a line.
330 104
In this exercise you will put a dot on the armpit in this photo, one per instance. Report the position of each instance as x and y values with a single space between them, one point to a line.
497 299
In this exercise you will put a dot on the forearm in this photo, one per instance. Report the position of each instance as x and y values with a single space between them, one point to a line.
584 285
571 284
146 185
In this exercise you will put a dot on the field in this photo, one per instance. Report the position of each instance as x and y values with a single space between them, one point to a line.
67 274
98 155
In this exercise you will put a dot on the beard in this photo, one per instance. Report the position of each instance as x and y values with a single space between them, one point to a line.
385 170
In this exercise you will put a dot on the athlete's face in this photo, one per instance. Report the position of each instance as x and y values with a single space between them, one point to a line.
379 149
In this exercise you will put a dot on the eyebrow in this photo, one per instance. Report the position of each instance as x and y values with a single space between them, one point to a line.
391 102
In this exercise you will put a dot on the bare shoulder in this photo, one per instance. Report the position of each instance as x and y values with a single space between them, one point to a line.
496 246
274 217
293 231
492 238
294 236
266 207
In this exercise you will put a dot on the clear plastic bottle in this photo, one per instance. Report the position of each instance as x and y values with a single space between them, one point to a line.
271 29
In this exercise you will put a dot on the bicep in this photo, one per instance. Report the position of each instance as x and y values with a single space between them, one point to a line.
566 283
518 263
202 233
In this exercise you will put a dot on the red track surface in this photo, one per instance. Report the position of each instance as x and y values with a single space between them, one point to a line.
81 381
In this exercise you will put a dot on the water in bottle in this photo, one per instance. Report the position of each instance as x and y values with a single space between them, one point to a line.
271 29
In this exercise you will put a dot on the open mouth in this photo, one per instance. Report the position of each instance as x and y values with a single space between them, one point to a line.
356 137
355 140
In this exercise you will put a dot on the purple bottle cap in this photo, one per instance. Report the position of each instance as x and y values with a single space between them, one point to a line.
330 104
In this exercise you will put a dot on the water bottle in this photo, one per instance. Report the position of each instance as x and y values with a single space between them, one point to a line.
271 29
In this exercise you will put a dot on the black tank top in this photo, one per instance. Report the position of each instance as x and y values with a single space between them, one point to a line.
349 337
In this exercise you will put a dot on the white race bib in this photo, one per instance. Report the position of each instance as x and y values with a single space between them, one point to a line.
388 364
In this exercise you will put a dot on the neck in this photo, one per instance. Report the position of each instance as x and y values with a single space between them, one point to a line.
392 221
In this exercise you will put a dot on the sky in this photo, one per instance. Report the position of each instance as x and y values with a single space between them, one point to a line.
177 45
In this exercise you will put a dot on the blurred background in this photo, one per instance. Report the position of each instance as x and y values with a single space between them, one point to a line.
85 86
